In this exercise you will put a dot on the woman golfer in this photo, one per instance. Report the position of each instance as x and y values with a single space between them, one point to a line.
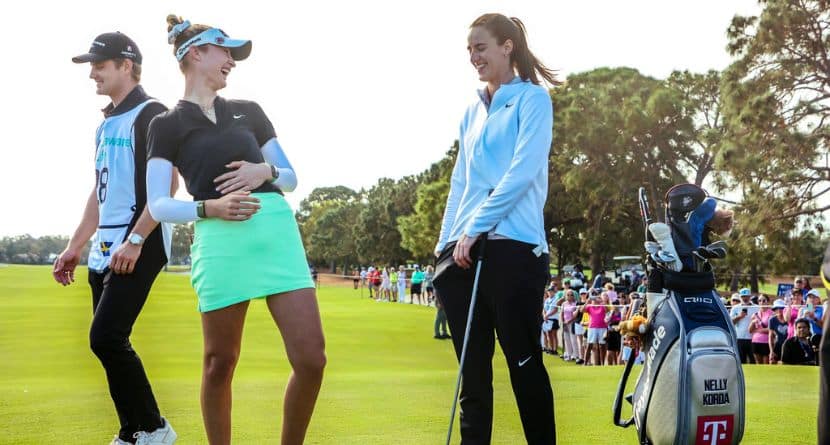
498 189
246 242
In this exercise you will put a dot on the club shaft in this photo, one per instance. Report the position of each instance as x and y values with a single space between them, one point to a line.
464 348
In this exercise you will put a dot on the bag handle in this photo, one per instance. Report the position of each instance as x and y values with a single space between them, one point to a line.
621 389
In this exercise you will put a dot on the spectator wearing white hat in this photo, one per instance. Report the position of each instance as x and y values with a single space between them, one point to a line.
734 301
741 314
778 327
813 311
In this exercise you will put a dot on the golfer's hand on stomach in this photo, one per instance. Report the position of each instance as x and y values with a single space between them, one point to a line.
244 176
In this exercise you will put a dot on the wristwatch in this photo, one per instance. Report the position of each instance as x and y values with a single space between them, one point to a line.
135 239
274 172
201 212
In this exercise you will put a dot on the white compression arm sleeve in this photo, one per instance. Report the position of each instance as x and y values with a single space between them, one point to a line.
274 155
163 207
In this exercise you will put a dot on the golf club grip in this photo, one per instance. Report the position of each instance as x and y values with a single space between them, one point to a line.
481 246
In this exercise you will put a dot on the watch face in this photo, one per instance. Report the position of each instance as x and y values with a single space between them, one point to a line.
135 239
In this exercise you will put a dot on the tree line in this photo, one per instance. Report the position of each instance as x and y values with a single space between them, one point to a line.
27 249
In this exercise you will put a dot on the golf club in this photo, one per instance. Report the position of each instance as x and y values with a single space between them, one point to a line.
466 334
700 261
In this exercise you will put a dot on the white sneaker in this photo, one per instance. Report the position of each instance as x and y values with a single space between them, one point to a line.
118 441
162 436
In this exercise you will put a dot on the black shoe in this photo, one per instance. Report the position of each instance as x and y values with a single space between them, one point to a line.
579 361
446 336
438 337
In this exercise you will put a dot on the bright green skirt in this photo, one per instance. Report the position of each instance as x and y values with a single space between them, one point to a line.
235 261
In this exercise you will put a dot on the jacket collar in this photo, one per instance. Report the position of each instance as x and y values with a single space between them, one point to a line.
504 93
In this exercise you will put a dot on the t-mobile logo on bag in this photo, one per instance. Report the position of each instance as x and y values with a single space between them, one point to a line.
714 430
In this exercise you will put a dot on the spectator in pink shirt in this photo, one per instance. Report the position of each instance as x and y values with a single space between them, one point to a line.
597 326
791 313
759 328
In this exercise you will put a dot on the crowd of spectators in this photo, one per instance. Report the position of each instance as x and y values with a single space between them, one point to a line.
390 284
581 319
587 320
581 324
786 329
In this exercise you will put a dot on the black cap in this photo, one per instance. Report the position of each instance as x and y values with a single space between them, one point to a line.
111 45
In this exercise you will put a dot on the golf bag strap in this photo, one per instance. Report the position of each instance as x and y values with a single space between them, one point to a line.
621 389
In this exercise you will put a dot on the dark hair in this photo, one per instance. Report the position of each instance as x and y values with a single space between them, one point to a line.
503 29
136 71
187 34
802 320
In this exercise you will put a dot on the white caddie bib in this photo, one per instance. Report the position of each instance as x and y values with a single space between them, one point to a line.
115 190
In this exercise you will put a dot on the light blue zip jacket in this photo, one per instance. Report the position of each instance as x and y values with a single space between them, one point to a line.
503 148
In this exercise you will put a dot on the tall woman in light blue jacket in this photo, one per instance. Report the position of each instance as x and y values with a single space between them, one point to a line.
498 189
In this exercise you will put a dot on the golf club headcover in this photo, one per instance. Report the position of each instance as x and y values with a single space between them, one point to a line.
707 216
635 327
662 234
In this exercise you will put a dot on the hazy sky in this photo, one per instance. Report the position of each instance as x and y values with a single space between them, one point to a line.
357 90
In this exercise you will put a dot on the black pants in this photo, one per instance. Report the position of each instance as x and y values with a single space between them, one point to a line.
116 302
509 302
824 386
745 351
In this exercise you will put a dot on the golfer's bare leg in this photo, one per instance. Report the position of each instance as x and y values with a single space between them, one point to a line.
222 330
298 318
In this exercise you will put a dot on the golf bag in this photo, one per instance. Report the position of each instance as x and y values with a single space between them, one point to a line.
691 388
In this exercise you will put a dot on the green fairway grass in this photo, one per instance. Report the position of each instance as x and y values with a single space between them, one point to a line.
387 380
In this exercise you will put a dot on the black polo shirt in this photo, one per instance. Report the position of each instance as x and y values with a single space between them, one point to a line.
201 149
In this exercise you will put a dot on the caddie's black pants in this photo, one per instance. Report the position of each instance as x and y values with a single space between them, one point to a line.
509 304
824 386
116 302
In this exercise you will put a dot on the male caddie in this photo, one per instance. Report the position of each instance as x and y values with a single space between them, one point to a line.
128 248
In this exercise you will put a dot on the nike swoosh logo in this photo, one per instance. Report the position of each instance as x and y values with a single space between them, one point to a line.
238 116
508 105
522 363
